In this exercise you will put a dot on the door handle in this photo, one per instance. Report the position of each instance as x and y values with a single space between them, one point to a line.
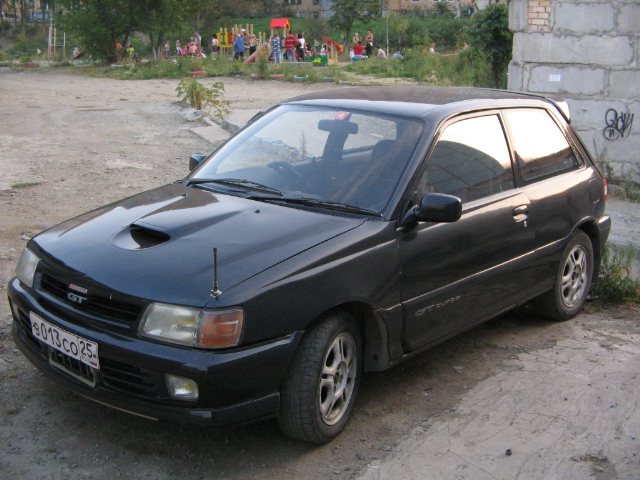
521 210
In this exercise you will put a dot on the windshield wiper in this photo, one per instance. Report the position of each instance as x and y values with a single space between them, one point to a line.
246 185
329 205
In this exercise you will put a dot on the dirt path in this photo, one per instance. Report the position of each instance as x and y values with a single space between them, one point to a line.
89 141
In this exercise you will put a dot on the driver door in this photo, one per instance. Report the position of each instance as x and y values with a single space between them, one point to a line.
455 275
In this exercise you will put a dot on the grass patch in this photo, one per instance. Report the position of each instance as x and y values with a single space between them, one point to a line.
423 67
181 68
615 283
631 191
26 185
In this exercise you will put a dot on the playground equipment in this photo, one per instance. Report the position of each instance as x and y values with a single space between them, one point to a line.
262 47
282 23
328 57
226 37
334 48
263 44
56 42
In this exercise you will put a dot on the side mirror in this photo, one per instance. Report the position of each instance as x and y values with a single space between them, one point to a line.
195 160
435 207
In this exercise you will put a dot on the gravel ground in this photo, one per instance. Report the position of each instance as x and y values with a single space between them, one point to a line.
84 142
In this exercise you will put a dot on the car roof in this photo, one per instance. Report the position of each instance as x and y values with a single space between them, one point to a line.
426 102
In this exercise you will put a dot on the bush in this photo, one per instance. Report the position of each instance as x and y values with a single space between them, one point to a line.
202 98
492 42
631 191
422 66
615 283
28 45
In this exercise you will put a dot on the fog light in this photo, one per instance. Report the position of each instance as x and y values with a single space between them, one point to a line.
181 388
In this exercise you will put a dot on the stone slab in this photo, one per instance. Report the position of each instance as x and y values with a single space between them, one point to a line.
584 18
565 79
548 48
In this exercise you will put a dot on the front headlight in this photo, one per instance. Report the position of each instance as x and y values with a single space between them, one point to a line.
26 269
193 327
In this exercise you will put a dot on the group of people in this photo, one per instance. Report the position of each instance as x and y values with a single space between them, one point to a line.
360 51
193 48
122 52
241 42
471 8
293 48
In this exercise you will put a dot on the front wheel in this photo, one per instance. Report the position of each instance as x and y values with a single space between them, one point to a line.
573 281
319 391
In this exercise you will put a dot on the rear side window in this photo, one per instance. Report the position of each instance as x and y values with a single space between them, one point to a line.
471 160
541 148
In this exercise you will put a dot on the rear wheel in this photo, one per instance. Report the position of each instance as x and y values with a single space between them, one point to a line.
573 281
319 391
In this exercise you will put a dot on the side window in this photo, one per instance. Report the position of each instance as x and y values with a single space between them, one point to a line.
540 146
471 160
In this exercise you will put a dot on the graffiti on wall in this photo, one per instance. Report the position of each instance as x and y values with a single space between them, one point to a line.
618 124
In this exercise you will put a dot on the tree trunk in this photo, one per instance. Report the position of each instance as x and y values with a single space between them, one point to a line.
23 20
159 46
124 44
153 47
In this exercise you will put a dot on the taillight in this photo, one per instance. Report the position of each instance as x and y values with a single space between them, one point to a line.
605 189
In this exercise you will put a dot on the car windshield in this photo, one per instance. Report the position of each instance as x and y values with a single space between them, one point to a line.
315 156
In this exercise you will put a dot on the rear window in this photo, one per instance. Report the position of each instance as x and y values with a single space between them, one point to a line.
541 148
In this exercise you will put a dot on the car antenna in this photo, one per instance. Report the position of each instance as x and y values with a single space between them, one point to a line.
215 292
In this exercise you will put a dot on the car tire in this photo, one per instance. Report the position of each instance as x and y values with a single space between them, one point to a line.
573 281
320 388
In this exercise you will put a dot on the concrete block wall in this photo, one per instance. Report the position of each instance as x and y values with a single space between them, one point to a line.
588 52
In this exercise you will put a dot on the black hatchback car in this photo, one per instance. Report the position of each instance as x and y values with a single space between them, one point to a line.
337 233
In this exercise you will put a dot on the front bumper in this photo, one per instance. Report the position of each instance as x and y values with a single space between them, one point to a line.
236 386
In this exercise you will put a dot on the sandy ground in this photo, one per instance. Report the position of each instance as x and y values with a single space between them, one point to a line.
87 141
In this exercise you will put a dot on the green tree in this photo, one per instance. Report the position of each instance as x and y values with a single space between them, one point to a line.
492 41
399 31
98 24
345 12
156 18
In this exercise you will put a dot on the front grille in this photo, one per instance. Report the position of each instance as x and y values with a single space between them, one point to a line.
24 322
131 379
74 367
114 375
101 303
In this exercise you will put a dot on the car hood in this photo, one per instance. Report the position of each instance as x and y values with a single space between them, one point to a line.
159 245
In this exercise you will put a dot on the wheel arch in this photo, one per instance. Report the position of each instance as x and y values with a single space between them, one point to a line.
591 229
374 333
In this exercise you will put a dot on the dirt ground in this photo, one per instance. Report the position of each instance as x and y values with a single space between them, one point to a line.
87 141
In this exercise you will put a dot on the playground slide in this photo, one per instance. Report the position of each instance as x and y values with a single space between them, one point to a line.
256 53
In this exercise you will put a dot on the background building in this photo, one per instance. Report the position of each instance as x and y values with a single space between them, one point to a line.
587 51
323 8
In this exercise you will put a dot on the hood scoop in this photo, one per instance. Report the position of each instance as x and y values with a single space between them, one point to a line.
139 236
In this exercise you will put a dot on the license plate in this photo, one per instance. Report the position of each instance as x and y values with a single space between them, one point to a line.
71 345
